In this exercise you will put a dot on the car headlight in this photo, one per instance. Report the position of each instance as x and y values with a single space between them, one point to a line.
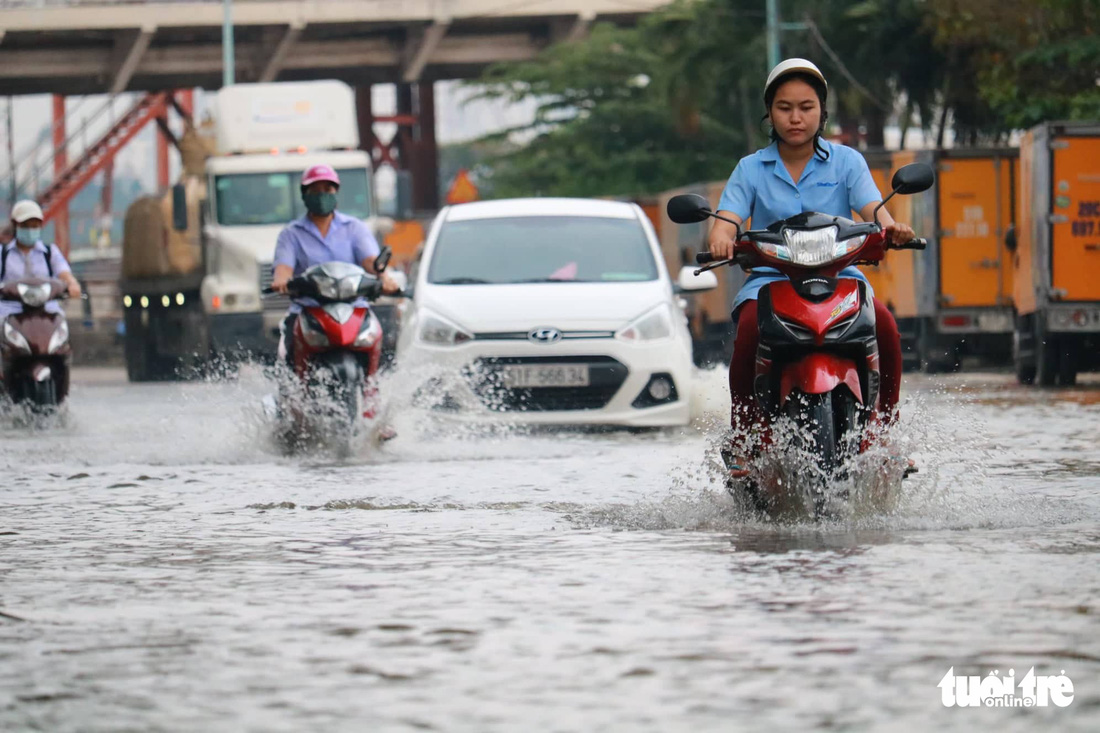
16 339
438 331
370 333
650 326
35 296
60 338
312 331
811 247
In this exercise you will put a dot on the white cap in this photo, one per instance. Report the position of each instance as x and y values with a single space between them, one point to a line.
791 66
26 210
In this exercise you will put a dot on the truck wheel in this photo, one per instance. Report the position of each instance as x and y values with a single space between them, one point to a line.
1046 354
1023 351
937 354
1067 366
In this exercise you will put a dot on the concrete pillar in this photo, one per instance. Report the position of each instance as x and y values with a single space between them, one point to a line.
60 218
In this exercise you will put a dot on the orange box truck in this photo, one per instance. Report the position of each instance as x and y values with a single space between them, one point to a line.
1057 254
954 299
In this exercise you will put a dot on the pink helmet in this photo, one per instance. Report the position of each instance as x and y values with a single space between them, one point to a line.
319 173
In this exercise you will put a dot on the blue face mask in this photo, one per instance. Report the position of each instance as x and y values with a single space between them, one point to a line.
28 237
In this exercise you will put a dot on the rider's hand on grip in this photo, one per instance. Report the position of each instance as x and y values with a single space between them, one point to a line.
920 243
704 258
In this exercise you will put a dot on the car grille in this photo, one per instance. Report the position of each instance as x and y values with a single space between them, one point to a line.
606 374
275 301
525 335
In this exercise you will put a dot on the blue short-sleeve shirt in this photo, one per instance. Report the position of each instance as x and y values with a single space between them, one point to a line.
761 188
301 246
21 263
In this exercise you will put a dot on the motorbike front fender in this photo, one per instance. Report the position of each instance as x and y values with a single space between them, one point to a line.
819 373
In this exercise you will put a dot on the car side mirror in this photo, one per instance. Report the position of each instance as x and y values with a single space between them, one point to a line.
689 282
913 178
688 208
401 279
179 207
383 259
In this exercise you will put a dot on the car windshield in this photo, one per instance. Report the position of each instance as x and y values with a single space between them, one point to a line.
252 199
533 249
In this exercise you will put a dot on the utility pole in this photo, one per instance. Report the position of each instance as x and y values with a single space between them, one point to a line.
774 27
228 70
773 33
11 156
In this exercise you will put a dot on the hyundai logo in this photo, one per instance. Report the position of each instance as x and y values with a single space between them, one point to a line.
544 336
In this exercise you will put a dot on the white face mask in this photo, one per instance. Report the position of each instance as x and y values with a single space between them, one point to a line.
28 237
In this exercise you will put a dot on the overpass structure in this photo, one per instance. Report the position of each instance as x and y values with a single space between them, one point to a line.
100 46
83 47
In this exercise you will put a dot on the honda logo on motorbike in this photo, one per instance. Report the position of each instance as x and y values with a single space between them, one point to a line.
544 336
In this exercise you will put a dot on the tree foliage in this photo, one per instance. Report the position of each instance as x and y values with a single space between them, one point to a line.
678 98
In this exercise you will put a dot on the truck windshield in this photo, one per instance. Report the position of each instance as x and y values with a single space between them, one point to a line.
255 199
542 249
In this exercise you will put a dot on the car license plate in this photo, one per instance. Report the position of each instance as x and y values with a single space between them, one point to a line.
523 376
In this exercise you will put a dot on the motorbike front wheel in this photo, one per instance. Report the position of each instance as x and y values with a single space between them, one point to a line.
824 422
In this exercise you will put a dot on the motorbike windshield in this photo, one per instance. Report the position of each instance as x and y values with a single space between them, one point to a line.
546 249
258 199
337 280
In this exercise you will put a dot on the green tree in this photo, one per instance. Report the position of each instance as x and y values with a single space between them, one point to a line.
1030 60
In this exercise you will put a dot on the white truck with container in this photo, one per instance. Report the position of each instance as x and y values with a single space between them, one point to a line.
204 304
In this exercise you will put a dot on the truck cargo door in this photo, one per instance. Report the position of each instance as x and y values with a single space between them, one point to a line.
1075 228
970 255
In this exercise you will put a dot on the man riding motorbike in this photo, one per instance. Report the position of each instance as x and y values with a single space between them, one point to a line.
798 172
322 235
27 256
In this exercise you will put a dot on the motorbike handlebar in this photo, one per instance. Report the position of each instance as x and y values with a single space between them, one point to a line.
704 258
919 243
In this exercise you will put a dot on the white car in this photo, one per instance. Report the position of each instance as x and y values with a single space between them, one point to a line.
549 310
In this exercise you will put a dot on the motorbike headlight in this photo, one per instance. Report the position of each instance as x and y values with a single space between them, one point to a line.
327 287
650 326
438 331
312 332
812 247
35 296
16 339
370 333
348 287
60 338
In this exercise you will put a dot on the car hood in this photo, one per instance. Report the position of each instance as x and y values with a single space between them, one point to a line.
567 306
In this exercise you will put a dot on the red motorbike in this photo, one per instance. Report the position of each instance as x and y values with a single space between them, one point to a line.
818 360
335 348
35 345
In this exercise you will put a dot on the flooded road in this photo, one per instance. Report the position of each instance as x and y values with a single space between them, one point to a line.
162 568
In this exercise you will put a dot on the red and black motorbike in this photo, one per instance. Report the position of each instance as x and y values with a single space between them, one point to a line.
818 358
335 348
35 345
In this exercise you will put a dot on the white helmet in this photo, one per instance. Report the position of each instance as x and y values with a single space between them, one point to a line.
26 210
791 66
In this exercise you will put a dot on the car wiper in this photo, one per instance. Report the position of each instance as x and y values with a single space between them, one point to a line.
462 281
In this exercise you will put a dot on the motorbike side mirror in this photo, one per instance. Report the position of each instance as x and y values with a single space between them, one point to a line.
383 259
913 178
909 179
689 282
179 207
688 208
